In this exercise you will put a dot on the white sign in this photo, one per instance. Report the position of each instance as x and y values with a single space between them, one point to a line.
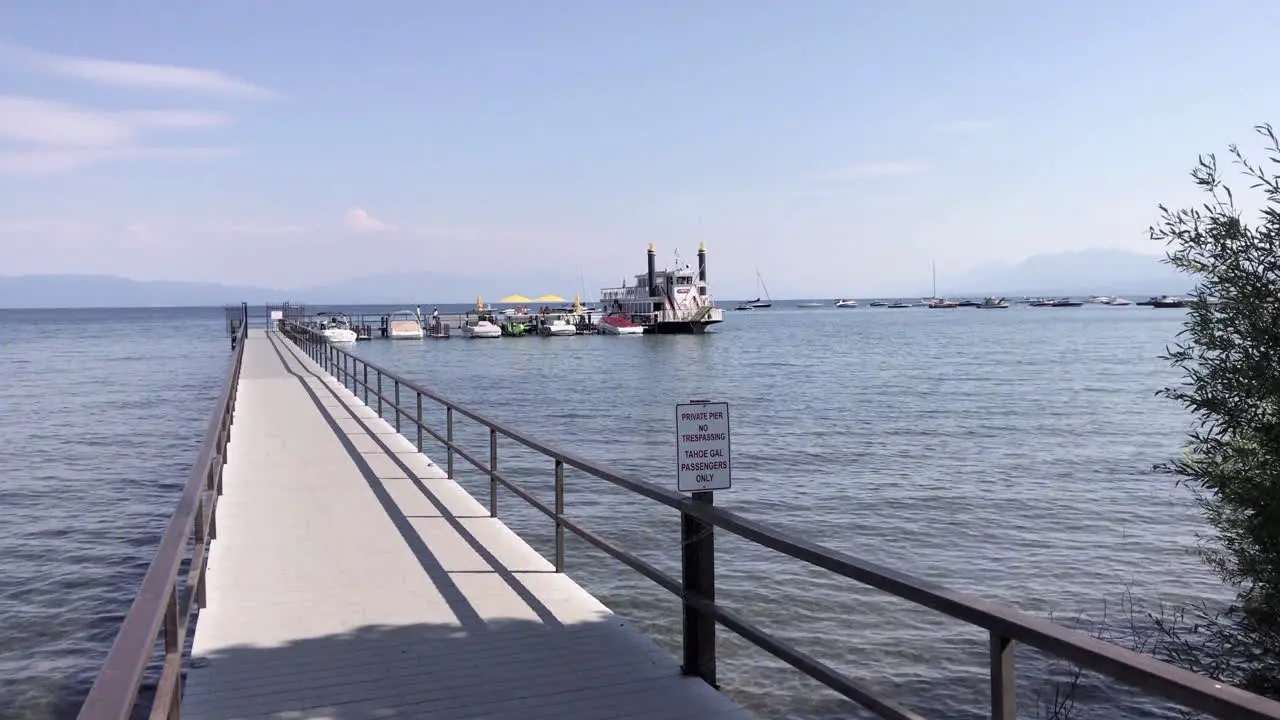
702 446
277 314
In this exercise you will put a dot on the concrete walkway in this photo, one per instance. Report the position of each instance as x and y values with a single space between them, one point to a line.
351 579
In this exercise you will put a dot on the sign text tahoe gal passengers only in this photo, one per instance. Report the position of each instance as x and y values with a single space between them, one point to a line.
702 446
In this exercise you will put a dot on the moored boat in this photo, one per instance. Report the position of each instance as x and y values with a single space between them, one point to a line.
619 325
992 303
482 329
555 326
336 327
846 303
404 325
667 301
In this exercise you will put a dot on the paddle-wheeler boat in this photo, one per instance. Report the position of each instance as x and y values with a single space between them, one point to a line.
666 301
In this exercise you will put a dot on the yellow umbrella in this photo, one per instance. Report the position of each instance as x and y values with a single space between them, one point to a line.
550 298
515 299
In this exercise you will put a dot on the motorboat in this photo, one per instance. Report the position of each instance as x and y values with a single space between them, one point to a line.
482 329
879 303
1101 300
556 327
941 304
1170 301
844 303
992 303
619 325
899 305
336 328
1119 301
404 325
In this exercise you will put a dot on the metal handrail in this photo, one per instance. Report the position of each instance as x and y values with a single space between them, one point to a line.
1005 625
161 601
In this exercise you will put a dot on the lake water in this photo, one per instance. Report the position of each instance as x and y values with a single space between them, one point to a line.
1007 454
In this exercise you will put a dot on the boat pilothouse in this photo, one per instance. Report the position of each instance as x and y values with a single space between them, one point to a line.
666 301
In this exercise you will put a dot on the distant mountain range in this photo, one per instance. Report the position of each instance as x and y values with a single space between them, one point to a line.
1079 273
61 291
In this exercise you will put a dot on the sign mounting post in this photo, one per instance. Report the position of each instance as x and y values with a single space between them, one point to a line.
702 467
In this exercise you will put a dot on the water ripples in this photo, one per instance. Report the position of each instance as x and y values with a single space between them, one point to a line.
1004 454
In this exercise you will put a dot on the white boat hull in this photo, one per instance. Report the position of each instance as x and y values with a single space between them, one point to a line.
557 330
339 335
482 331
607 329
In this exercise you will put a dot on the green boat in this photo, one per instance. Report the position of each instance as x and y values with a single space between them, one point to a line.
512 328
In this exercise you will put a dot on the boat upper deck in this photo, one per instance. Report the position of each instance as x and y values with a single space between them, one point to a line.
352 579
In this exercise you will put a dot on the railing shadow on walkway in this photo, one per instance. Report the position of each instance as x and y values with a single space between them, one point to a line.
415 671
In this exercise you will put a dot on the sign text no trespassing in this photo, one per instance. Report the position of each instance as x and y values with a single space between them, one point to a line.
702 447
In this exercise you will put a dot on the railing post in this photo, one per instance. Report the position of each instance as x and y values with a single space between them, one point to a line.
201 541
698 577
173 646
380 396
559 516
365 384
418 395
448 435
493 467
397 404
1004 686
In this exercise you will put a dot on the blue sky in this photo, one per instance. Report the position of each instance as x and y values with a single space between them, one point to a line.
838 145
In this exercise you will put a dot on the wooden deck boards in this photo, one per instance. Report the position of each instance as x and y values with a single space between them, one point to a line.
352 580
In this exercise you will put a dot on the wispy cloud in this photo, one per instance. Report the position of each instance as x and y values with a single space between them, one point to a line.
359 221
121 73
267 229
875 170
42 136
54 137
44 122
964 126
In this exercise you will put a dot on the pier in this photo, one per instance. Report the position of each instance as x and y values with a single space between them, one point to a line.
321 564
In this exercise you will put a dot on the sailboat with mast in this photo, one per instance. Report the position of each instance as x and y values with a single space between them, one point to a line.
936 302
758 304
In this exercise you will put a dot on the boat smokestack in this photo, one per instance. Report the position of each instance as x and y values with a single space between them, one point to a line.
653 280
702 262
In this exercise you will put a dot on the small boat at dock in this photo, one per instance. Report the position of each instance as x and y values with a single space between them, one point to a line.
619 325
404 325
336 327
556 327
482 329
